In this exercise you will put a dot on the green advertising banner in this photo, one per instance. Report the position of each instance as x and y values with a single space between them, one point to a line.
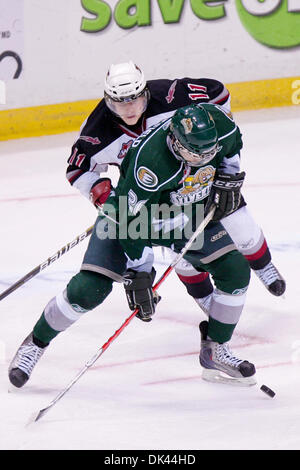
273 23
250 45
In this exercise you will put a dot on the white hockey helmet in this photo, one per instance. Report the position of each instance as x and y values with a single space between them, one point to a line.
124 82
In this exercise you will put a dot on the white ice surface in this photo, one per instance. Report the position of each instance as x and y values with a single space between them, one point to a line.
146 391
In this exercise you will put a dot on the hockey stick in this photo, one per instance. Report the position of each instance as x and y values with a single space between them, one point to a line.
51 259
92 361
46 263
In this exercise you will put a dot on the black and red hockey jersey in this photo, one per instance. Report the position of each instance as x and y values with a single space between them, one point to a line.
104 139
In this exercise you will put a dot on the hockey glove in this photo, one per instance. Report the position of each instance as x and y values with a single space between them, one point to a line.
100 191
138 288
225 194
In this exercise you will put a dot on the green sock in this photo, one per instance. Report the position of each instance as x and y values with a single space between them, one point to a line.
43 331
220 332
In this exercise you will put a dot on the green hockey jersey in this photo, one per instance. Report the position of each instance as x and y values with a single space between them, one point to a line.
158 195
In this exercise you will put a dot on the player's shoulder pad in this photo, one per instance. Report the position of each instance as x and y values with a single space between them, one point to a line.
203 89
159 86
217 111
223 120
99 112
164 94
229 135
148 153
97 126
147 149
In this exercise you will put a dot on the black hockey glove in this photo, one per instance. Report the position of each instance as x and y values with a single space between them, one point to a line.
138 288
225 193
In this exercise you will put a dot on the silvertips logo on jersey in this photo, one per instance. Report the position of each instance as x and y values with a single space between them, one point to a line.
146 177
195 187
135 220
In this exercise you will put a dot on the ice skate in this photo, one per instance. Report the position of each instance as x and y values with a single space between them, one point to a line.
272 279
24 361
219 364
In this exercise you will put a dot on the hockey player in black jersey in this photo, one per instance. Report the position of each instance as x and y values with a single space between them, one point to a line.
171 167
130 105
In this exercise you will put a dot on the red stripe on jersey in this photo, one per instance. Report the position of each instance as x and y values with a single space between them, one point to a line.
193 279
127 131
74 176
222 100
131 132
258 254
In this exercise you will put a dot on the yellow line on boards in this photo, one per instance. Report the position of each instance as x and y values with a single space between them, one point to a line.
264 93
67 117
44 120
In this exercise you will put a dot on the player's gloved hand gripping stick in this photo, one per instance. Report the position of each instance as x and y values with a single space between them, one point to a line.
225 194
139 293
92 361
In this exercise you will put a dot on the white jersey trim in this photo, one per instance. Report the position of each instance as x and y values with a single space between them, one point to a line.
85 182
164 123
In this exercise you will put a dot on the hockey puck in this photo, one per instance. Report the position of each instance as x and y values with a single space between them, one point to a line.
268 391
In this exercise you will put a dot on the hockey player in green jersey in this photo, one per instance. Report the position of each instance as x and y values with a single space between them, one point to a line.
130 106
170 174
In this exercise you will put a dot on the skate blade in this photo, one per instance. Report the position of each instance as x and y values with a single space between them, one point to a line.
216 376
